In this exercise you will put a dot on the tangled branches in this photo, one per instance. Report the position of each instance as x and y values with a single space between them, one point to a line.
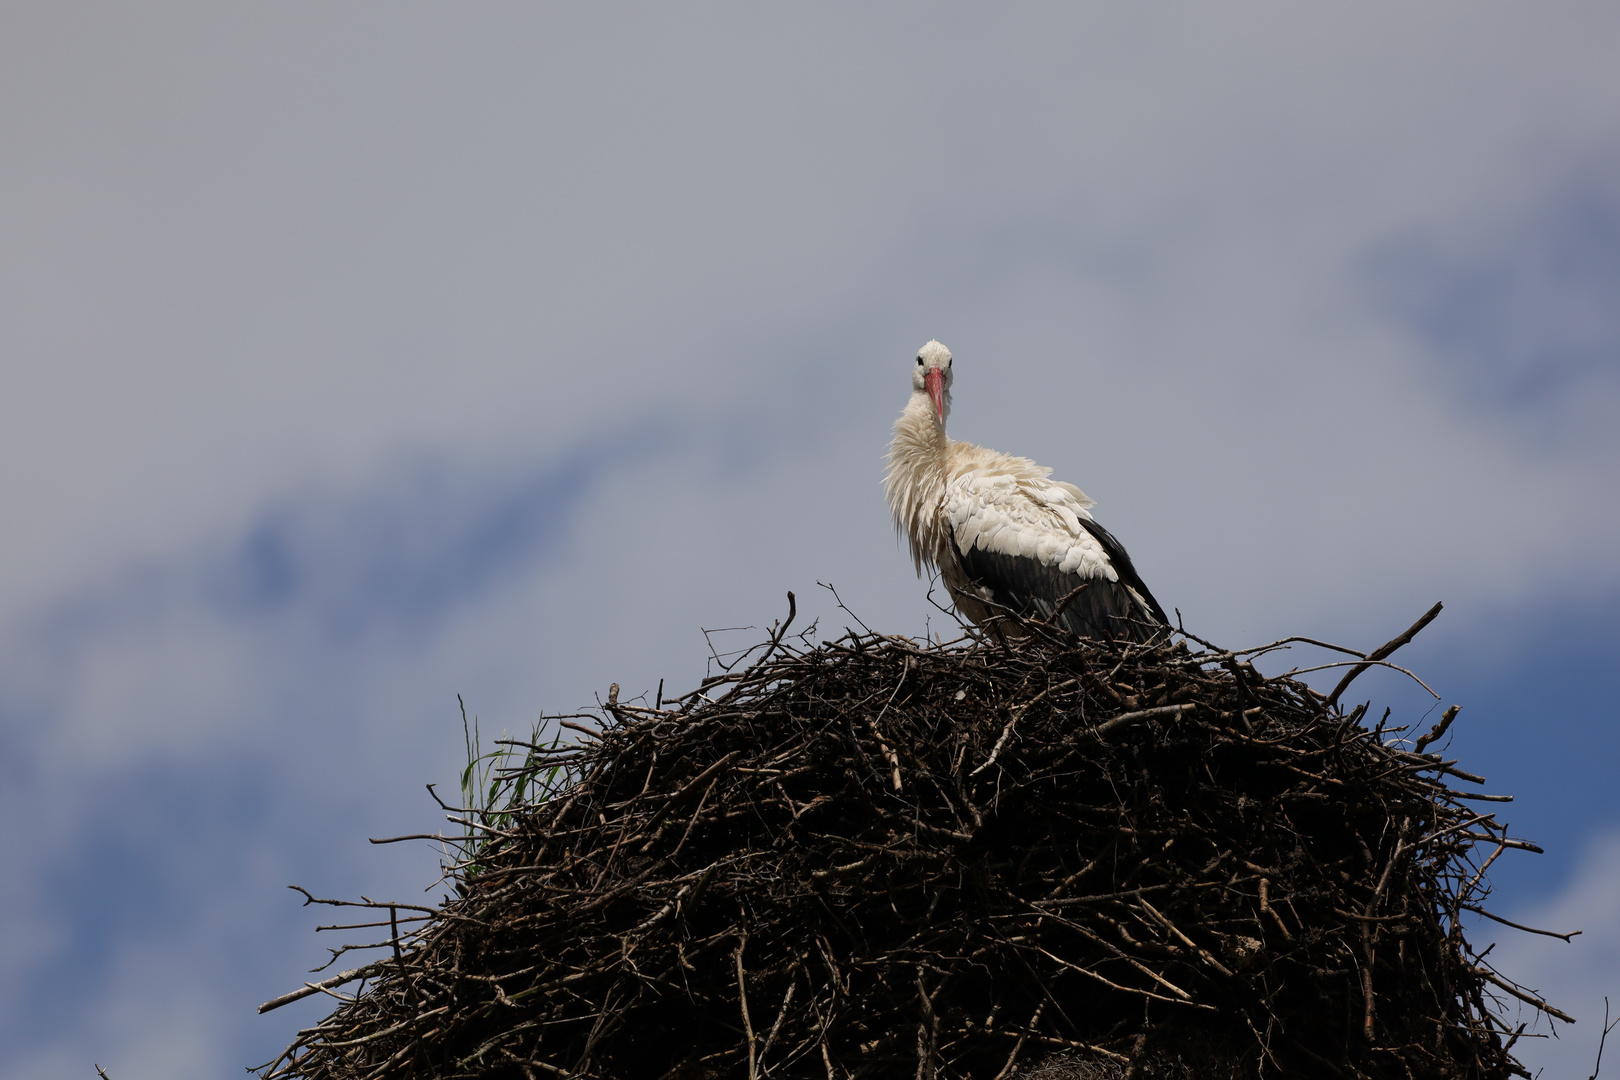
876 858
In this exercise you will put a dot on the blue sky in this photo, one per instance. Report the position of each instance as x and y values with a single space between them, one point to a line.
355 359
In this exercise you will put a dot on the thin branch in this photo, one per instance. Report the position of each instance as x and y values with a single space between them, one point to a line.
1385 650
1518 926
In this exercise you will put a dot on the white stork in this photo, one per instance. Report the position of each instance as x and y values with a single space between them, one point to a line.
1006 540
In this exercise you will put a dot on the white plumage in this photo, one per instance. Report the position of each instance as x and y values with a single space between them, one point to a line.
1006 539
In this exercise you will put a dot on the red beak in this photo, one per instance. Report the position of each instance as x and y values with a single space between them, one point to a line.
934 381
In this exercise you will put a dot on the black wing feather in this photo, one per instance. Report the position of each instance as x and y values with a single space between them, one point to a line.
1122 566
1029 587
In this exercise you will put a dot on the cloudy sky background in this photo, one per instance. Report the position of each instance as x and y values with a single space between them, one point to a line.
358 357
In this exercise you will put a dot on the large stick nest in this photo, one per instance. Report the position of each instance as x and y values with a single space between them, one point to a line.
876 857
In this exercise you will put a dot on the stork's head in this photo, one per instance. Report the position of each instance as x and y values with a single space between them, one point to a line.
931 375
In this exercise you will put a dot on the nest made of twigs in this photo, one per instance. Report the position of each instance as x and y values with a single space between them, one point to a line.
875 857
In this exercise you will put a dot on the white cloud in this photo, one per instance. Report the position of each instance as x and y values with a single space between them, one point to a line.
256 248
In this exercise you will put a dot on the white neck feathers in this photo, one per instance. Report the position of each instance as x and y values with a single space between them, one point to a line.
915 483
